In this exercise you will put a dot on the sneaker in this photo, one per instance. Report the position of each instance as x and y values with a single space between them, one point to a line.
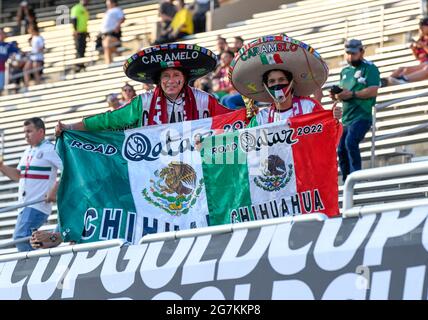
396 81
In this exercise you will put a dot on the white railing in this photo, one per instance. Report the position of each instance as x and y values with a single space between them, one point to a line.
228 228
63 249
382 106
396 171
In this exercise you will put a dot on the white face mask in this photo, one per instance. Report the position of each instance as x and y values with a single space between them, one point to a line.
279 92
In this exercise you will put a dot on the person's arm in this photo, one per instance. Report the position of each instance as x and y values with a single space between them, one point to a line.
372 82
60 127
122 20
366 93
337 111
178 22
126 116
165 17
40 45
318 94
51 195
217 72
129 115
74 23
10 172
19 15
73 16
118 25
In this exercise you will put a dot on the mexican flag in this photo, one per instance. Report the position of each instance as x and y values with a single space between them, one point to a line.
273 170
271 58
125 184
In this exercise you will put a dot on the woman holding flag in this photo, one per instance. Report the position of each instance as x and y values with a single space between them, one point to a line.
171 67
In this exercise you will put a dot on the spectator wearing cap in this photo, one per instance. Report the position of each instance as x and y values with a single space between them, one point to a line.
420 51
359 84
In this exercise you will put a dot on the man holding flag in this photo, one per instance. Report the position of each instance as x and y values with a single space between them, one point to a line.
278 70
286 163
146 179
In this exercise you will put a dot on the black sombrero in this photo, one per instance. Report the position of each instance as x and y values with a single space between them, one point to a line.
145 65
309 70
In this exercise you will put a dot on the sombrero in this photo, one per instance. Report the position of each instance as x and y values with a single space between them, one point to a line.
277 52
145 65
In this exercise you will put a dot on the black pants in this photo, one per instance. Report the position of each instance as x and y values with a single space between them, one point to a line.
199 23
167 38
80 47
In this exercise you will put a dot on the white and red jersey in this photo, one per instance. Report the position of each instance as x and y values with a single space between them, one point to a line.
300 105
38 168
136 112
207 106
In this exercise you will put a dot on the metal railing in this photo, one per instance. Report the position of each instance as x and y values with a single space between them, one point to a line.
20 205
64 249
382 106
401 170
228 228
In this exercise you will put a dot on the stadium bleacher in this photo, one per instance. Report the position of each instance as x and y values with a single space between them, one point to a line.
385 26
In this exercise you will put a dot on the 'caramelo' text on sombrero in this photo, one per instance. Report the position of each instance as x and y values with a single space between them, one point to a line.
268 48
170 56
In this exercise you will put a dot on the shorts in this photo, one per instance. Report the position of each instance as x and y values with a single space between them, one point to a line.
36 57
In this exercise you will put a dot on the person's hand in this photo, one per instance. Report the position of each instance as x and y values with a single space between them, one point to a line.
50 196
45 239
198 142
337 111
59 128
344 95
252 109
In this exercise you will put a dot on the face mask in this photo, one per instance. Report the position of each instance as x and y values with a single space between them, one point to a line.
355 63
279 92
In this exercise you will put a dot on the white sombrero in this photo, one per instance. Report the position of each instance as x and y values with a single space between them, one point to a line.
309 70
146 64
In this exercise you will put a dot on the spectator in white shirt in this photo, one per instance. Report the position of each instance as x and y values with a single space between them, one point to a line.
110 28
35 64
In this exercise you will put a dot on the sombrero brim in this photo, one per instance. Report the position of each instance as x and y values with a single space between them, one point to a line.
309 71
145 65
